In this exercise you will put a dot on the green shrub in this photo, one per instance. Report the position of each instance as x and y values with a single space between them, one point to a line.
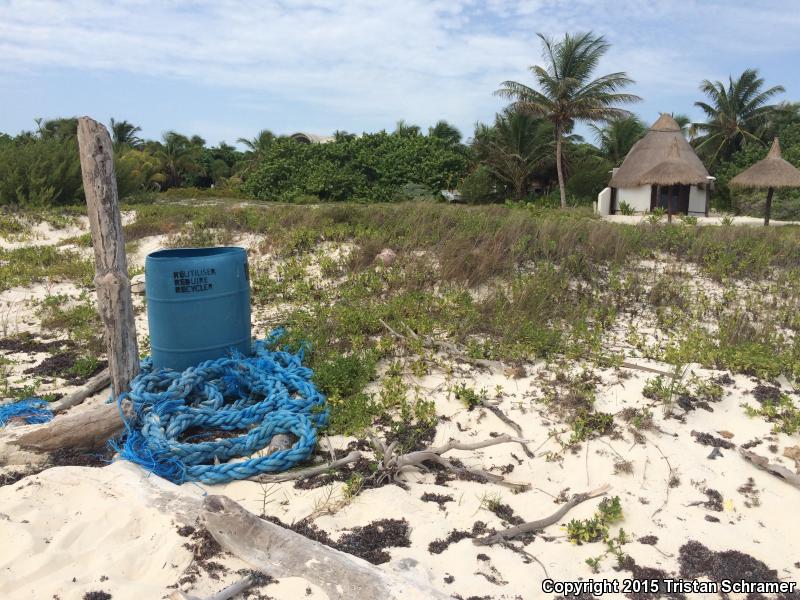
370 168
479 186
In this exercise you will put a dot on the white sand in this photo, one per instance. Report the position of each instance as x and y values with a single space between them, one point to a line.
710 220
87 523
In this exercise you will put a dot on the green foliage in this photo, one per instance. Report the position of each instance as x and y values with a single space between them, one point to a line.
583 531
39 171
515 150
374 167
736 114
589 424
617 137
588 173
78 318
783 414
479 186
468 396
625 208
27 264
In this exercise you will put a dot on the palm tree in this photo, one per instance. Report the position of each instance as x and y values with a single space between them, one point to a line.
259 144
445 131
59 129
566 91
618 136
684 122
404 129
515 148
735 114
179 156
123 134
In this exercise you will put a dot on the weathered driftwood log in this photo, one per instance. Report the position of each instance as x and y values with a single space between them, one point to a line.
284 553
773 469
532 526
111 279
87 430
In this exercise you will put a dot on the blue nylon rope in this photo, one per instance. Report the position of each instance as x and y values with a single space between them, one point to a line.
31 410
264 394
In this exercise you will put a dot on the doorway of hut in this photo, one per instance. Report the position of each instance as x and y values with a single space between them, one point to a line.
660 196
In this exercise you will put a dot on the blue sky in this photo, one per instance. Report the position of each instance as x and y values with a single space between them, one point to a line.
224 69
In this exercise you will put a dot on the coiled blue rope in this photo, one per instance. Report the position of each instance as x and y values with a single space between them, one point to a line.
31 410
265 394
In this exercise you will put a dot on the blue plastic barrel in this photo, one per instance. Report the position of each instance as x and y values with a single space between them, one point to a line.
198 304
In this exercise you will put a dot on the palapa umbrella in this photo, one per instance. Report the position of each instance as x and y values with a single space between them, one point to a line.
771 172
673 170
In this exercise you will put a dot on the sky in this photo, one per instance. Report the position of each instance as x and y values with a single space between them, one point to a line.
225 69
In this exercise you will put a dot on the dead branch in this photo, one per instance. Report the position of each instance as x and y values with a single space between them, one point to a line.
225 594
532 526
776 470
448 347
92 386
308 472
634 366
495 410
669 478
395 465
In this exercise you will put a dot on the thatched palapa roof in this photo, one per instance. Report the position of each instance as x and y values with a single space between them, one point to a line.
772 171
662 157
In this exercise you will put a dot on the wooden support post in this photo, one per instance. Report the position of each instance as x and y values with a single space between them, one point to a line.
671 193
768 206
111 265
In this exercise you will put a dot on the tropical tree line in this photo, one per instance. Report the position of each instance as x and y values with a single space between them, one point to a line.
530 152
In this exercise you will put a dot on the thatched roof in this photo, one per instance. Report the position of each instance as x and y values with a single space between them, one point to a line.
674 170
772 171
661 157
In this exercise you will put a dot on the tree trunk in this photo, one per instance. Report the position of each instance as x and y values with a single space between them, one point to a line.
560 169
111 265
768 206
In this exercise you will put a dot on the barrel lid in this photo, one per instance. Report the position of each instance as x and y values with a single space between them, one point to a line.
171 253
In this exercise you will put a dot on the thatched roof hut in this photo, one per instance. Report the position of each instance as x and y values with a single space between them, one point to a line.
770 172
662 157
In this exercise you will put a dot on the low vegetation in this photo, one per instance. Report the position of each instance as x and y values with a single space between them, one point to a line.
510 283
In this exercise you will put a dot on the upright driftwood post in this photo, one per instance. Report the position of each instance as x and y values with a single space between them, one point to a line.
111 265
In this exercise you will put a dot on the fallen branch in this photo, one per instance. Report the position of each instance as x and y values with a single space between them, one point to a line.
283 553
513 532
226 594
508 421
99 382
308 472
449 347
779 471
395 465
669 478
634 366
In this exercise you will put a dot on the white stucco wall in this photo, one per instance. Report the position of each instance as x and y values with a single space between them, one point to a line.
604 202
638 198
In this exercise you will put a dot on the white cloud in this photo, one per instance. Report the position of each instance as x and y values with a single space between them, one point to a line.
416 59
